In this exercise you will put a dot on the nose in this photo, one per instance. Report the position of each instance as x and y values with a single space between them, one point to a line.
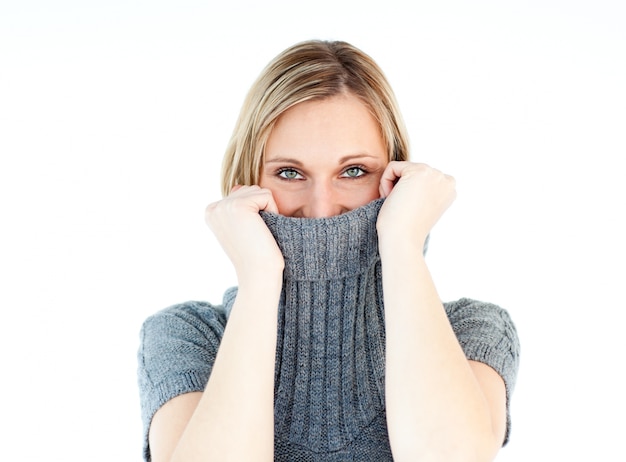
323 202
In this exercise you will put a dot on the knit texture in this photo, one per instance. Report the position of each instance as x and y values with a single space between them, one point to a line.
330 370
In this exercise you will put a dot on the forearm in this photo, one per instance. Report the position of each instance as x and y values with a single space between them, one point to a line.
435 406
234 419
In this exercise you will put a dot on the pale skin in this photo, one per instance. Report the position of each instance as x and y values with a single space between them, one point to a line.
324 158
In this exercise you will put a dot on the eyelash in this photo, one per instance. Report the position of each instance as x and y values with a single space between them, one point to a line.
280 172
363 170
360 167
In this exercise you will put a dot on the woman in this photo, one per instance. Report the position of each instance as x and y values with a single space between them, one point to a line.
326 221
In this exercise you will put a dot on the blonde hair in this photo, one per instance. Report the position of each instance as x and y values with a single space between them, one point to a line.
306 71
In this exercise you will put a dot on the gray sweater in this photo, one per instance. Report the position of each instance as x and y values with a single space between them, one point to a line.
329 402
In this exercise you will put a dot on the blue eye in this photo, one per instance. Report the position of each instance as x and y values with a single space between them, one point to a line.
289 174
354 172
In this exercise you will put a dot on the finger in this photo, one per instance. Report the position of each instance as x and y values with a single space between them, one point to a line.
387 180
270 205
239 190
262 198
392 173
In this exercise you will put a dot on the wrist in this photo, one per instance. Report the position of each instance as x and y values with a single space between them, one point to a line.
400 243
267 283
261 276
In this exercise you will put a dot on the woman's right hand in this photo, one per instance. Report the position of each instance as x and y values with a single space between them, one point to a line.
242 233
234 416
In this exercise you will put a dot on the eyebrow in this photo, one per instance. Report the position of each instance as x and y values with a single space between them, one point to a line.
283 160
344 159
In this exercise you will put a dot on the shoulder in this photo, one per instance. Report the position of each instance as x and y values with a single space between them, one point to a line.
177 349
188 318
485 316
487 334
181 337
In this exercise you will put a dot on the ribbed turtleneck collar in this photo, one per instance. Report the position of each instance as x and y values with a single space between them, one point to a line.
327 248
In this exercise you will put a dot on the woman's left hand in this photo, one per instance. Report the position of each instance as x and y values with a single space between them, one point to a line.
416 197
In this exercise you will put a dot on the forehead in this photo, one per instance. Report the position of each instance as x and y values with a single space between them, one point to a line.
340 125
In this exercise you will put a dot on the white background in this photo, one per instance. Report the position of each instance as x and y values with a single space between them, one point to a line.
113 119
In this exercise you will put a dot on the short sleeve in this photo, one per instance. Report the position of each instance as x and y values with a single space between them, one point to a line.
177 350
487 334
